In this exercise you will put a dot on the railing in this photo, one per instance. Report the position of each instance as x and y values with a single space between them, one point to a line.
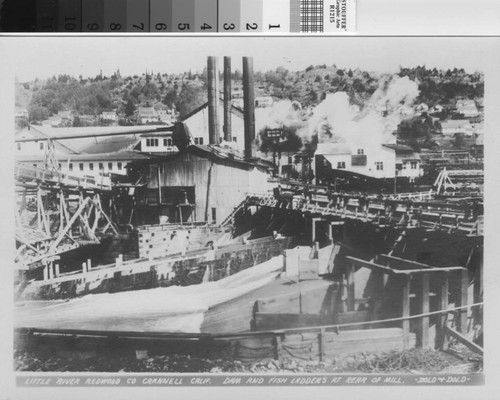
26 172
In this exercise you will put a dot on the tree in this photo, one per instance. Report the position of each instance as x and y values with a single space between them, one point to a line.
37 113
190 98
416 132
129 108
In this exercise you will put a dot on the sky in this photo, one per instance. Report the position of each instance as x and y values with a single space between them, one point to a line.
47 56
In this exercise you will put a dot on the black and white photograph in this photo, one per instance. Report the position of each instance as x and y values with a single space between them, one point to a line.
247 211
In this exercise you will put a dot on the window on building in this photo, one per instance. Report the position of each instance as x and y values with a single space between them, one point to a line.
101 166
169 142
70 166
34 165
198 140
91 166
214 214
41 145
80 166
110 166
165 143
413 165
119 165
379 165
152 142
341 165
290 160
361 152
19 146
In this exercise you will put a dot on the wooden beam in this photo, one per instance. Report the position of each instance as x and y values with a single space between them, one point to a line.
406 313
463 301
401 262
441 338
368 264
470 345
351 300
424 307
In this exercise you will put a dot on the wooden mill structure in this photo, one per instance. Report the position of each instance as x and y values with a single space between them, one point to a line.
56 213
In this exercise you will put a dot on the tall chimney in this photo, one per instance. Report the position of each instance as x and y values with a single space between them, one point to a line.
249 106
227 99
213 118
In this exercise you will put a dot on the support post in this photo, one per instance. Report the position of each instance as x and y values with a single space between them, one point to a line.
463 301
441 338
424 309
321 344
406 313
279 349
350 288
89 264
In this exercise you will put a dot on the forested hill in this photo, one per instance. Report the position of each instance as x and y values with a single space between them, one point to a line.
187 91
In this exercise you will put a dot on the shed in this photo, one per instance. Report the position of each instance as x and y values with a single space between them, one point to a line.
198 184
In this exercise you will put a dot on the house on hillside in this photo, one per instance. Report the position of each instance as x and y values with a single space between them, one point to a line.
456 126
109 116
146 115
200 183
467 108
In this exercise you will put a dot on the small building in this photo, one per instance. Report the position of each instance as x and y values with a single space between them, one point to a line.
197 121
109 116
198 184
467 108
380 162
408 161
146 115
160 142
456 126
264 101
87 164
83 150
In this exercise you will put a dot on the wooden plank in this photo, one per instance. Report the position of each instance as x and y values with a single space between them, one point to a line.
406 313
276 321
401 262
368 264
470 345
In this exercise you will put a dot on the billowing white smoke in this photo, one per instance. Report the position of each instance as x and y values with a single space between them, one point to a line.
335 119
281 113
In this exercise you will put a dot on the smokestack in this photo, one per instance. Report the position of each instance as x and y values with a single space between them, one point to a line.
213 118
227 99
249 106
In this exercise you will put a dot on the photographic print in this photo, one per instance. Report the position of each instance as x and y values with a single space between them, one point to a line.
249 211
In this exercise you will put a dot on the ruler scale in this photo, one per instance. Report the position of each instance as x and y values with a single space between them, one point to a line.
179 16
